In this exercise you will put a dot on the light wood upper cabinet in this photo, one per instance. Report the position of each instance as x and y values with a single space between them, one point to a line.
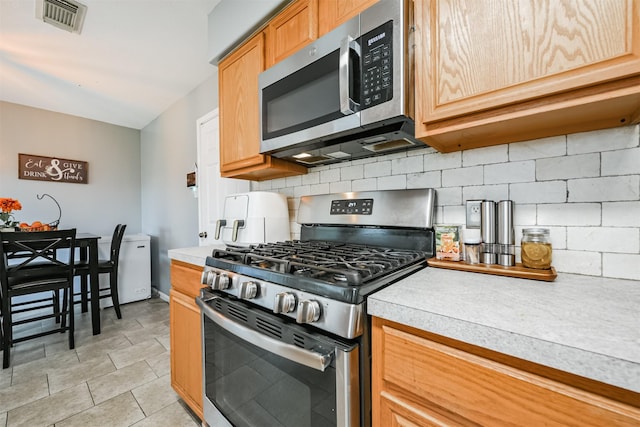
508 71
185 334
239 117
333 12
418 381
291 30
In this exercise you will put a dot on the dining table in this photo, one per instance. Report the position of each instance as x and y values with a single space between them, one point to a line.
87 244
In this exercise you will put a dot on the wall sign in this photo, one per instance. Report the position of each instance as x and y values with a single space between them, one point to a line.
54 169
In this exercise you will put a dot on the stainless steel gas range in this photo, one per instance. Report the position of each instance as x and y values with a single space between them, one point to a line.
286 337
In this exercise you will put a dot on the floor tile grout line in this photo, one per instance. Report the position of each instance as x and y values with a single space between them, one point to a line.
153 321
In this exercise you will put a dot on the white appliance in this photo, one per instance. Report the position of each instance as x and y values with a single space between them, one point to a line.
134 268
254 217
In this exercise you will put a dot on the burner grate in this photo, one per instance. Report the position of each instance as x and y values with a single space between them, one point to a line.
334 262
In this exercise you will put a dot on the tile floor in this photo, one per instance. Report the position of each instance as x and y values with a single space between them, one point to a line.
118 378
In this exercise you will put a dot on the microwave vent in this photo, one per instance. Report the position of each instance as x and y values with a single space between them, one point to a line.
64 14
388 145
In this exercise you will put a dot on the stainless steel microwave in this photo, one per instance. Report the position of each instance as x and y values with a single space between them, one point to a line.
347 95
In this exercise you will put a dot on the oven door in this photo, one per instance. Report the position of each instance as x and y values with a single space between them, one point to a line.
261 370
312 94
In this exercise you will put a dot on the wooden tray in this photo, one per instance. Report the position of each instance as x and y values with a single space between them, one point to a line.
517 271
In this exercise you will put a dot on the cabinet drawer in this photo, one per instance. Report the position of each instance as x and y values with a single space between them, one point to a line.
185 278
488 392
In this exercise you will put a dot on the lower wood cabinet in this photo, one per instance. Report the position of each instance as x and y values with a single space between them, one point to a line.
185 335
420 381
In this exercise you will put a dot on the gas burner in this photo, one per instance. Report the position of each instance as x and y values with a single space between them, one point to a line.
337 263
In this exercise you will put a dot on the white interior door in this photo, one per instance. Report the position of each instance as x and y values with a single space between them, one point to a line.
212 188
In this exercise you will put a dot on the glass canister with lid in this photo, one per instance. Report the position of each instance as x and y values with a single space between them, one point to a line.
536 250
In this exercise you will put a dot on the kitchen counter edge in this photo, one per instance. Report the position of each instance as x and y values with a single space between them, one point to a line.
195 255
583 325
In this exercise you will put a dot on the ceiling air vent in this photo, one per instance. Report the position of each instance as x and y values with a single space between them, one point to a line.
65 14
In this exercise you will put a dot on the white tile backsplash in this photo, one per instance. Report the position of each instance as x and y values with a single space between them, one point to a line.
567 167
608 189
463 176
604 239
554 146
431 179
570 214
486 192
623 266
603 140
539 192
621 214
486 155
506 173
376 169
441 161
407 165
621 162
584 187
352 172
393 182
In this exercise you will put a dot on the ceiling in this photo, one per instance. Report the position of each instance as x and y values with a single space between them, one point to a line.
132 60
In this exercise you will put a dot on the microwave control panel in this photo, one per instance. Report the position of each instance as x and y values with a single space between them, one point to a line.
377 65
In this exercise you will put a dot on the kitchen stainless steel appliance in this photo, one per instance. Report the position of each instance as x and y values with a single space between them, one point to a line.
347 95
286 336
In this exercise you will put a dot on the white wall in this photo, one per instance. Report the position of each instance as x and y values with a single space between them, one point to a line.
585 187
112 194
169 152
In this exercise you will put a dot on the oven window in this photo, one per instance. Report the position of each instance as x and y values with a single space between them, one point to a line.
253 387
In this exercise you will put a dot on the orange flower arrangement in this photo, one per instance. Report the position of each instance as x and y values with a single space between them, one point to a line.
6 207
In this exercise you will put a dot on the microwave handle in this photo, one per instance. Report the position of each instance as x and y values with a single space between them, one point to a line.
313 360
347 105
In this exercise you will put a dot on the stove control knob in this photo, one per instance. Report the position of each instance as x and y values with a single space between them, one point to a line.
207 277
221 283
308 311
248 290
285 302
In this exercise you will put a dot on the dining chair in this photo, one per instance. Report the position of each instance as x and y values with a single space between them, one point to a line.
105 266
36 263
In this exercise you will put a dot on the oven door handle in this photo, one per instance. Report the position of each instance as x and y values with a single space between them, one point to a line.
308 358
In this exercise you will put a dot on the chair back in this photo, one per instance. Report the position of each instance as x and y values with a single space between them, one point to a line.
22 252
116 242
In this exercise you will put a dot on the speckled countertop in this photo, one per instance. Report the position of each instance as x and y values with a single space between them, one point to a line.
584 325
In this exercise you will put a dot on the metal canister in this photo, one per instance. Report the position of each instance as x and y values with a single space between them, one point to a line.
506 235
488 253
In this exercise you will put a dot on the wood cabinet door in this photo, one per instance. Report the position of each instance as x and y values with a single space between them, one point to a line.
239 112
332 13
240 117
438 379
292 29
507 60
475 58
186 349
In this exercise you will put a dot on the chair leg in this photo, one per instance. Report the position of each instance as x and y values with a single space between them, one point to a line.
64 309
6 331
72 324
56 304
84 299
113 283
